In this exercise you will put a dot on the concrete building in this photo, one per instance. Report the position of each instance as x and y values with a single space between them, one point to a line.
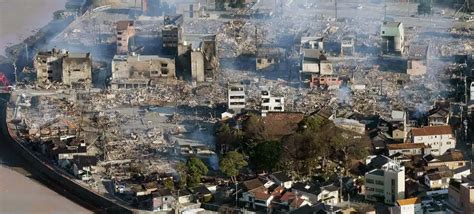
385 184
439 138
197 57
271 103
312 43
408 206
72 69
172 32
472 92
139 71
417 62
236 97
190 9
393 37
348 46
124 31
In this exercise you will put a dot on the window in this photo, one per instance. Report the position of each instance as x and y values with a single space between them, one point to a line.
278 100
119 38
50 71
164 65
76 70
383 32
259 61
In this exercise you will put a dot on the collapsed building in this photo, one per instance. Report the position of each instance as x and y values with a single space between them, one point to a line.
124 31
316 70
72 69
139 71
268 58
197 57
417 62
393 38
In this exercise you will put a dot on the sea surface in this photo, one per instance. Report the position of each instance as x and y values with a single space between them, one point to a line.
19 192
22 18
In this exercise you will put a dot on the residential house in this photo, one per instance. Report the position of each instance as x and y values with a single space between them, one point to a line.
329 195
312 43
393 37
438 116
438 180
408 149
451 159
162 200
314 65
282 179
439 138
386 182
310 192
201 193
408 206
291 201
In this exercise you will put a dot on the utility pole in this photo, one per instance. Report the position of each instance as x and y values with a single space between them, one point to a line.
385 10
335 6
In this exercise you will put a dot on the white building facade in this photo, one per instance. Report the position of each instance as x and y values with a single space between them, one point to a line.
387 183
439 138
271 103
236 97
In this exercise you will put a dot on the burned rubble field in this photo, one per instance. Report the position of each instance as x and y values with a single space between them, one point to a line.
272 103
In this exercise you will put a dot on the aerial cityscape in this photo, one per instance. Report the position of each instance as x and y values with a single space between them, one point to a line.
237 106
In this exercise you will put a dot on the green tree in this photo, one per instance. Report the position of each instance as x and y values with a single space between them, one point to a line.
232 163
229 136
196 169
265 155
168 183
254 128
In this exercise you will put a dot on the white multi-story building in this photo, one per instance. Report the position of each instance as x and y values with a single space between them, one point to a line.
472 92
270 103
439 138
236 97
386 184
408 206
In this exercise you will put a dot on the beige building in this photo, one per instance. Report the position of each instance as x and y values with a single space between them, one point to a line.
417 62
172 32
124 31
72 69
139 71
461 195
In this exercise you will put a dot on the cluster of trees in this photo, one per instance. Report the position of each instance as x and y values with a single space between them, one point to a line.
318 148
191 172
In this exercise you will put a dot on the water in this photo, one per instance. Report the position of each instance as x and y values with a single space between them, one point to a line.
22 18
19 193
